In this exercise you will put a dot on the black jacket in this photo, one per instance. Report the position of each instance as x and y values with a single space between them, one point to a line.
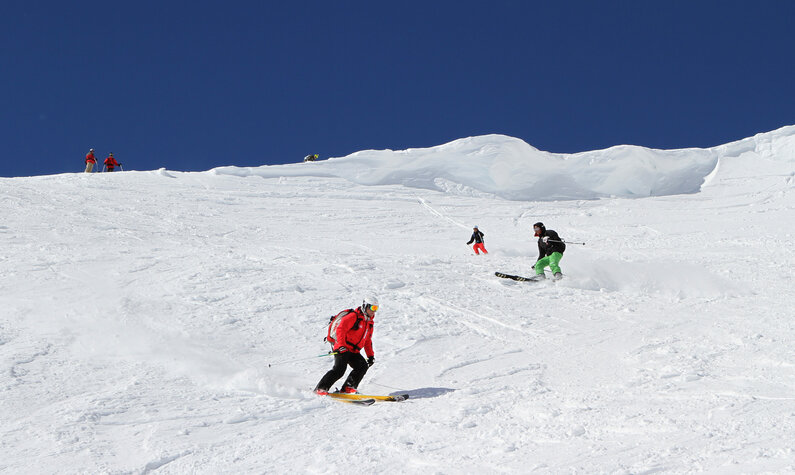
554 244
477 237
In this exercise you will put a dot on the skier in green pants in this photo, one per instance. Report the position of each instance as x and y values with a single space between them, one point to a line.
550 252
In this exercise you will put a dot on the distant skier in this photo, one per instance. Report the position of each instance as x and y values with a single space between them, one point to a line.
349 333
311 158
477 238
111 162
91 160
550 252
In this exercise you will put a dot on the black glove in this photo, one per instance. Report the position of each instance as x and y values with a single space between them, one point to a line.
370 361
341 349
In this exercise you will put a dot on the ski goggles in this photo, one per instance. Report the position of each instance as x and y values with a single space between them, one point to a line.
374 308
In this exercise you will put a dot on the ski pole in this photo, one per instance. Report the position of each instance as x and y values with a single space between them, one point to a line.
568 242
302 359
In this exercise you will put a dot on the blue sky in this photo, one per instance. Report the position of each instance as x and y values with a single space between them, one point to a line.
193 85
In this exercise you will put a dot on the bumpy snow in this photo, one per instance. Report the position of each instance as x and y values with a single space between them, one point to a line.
169 322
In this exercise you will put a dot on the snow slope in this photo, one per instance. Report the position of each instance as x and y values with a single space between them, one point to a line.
141 311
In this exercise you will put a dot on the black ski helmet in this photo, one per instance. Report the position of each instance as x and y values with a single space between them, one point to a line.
539 225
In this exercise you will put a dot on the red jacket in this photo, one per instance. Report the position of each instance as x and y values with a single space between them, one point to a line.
90 158
354 331
111 162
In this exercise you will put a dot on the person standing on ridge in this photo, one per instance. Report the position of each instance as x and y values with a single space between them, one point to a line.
111 162
477 238
550 252
90 161
349 333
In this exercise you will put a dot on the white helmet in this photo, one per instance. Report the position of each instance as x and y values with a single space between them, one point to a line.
370 302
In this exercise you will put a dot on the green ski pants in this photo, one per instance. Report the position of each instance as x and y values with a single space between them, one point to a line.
551 260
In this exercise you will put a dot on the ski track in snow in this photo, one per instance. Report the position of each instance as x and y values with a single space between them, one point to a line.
141 310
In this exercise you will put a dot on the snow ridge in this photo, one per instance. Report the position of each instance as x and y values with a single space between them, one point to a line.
509 168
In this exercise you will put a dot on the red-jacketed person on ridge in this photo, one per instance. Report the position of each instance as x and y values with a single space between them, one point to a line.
350 331
111 162
90 161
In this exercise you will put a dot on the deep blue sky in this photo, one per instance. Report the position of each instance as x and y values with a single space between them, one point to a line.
192 85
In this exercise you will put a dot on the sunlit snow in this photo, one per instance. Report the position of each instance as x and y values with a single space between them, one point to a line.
141 311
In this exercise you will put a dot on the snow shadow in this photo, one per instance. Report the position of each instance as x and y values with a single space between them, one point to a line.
424 393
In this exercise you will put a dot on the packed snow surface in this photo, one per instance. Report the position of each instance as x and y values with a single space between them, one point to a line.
169 322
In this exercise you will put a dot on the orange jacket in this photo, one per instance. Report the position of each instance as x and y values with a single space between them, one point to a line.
90 157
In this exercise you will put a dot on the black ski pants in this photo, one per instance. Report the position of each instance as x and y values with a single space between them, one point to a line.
341 363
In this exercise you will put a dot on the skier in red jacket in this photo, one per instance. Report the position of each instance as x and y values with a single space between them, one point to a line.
111 162
90 161
350 333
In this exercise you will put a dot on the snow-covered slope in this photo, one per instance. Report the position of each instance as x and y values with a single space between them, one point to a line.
506 167
141 311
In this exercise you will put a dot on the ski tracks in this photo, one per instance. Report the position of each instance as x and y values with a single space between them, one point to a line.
508 357
440 215
482 324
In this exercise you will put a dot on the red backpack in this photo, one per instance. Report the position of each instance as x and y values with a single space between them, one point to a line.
331 334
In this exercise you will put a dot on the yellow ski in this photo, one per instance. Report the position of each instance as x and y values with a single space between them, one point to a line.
356 397
360 402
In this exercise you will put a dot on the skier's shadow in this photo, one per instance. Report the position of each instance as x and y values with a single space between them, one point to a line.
422 393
